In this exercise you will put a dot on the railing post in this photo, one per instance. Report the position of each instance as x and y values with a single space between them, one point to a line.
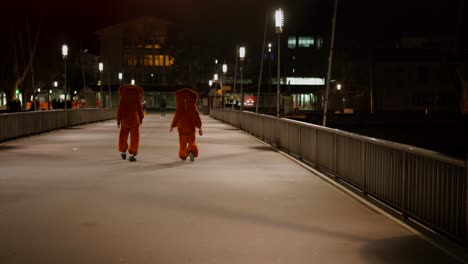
277 132
300 143
466 200
335 158
315 147
404 187
364 170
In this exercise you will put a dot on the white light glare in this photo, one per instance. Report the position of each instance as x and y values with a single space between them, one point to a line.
64 50
242 52
279 18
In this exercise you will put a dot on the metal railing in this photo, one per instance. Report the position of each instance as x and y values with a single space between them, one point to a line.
423 185
16 125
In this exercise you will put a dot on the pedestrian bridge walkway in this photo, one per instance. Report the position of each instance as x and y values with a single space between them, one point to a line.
66 196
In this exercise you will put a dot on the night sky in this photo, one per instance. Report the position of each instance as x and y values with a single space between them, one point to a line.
221 25
209 21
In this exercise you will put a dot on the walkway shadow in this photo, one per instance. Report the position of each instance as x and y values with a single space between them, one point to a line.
401 250
8 147
263 148
144 166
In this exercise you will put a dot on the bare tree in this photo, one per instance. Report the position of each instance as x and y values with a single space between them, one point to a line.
22 57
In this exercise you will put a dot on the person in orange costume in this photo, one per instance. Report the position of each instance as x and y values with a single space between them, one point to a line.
186 119
129 119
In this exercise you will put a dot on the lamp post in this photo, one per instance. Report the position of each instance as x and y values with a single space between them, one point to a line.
279 22
83 72
223 83
120 78
56 93
101 68
215 80
270 58
242 57
210 83
49 95
330 60
65 55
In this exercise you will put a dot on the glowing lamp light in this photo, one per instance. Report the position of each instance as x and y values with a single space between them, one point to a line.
279 20
224 68
210 83
101 66
120 76
133 81
215 77
64 50
242 53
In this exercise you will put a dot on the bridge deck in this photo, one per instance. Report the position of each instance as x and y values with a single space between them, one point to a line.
67 197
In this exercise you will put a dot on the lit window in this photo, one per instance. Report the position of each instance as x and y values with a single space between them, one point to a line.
292 42
306 42
169 61
132 60
149 60
158 60
319 42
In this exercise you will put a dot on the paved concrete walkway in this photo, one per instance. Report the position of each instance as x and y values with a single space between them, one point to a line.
67 197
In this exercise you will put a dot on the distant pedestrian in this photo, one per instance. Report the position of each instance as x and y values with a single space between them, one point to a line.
129 119
187 119
163 107
144 108
14 105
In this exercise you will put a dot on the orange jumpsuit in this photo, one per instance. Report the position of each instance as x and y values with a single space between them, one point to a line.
130 117
186 119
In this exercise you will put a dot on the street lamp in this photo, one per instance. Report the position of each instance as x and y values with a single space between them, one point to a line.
133 81
49 95
338 87
210 83
56 93
120 78
242 57
215 79
101 68
83 72
223 83
65 54
279 22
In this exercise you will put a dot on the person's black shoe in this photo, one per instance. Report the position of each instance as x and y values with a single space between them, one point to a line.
192 158
131 158
123 155
184 158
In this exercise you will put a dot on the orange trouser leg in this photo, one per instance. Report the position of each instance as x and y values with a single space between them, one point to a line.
123 135
183 152
192 145
187 143
134 140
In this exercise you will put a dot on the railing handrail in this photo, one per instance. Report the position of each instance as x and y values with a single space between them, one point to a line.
382 142
20 124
